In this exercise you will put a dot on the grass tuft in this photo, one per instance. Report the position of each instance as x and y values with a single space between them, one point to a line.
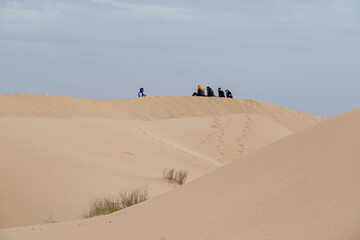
128 199
103 206
179 176
48 220
170 175
107 205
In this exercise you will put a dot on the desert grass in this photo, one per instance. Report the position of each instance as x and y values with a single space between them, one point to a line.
170 175
130 198
178 176
110 204
48 220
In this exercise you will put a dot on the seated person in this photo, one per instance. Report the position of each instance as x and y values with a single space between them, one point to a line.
228 94
221 93
210 92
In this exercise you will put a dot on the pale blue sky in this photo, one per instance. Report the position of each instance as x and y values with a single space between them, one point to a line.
297 54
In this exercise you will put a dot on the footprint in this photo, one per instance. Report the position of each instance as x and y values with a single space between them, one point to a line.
129 153
242 148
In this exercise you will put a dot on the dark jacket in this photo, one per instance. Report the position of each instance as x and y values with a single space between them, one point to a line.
210 92
221 93
200 92
229 94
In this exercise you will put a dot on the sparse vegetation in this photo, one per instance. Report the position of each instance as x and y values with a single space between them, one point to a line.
181 176
128 199
178 176
169 175
103 206
48 220
107 205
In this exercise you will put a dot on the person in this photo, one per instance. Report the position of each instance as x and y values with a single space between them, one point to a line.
141 93
228 94
220 92
200 91
210 92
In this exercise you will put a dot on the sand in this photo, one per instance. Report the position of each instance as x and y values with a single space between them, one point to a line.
59 153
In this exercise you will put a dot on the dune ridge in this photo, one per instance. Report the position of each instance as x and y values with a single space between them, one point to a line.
303 186
150 108
59 153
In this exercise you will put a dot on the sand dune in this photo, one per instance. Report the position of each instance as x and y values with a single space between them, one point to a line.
304 186
59 153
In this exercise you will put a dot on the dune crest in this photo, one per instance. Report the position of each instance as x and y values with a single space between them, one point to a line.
59 153
149 108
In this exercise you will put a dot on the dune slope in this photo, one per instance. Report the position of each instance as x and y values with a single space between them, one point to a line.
59 153
304 186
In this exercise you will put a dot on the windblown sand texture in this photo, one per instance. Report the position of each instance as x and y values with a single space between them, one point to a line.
304 186
59 153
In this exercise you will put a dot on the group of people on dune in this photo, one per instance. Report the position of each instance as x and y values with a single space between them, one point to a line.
200 92
210 93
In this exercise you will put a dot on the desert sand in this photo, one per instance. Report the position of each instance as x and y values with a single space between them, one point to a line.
304 186
59 153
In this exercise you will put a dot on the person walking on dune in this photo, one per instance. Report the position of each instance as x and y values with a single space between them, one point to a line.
228 94
220 93
141 93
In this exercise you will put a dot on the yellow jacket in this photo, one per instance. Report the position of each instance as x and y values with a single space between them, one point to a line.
199 86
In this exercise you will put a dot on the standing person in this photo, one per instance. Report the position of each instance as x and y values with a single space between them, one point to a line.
228 94
141 93
220 92
210 92
200 91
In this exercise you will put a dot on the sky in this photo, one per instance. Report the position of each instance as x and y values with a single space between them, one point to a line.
300 54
